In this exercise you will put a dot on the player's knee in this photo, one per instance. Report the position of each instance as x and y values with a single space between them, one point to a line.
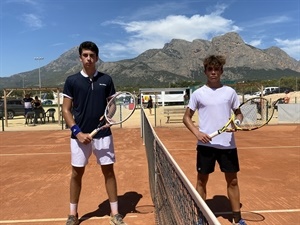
233 182
108 171
77 172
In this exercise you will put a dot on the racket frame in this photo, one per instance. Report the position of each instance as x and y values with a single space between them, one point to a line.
236 127
107 121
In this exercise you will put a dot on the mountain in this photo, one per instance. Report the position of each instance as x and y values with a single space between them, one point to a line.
177 61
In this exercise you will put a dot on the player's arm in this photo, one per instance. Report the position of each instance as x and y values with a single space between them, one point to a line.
68 116
112 107
67 111
188 122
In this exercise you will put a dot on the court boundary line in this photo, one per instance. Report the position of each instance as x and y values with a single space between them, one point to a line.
56 219
259 147
134 216
31 154
8 146
262 211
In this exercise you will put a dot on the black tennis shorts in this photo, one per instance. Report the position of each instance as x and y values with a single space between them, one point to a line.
207 156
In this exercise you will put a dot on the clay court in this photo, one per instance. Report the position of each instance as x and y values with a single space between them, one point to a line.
35 171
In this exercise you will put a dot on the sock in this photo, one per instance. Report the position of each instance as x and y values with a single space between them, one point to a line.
73 209
114 207
237 216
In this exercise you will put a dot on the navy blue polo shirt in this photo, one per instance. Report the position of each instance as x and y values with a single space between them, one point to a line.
89 98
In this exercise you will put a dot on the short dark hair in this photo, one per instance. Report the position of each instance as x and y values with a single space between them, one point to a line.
214 60
90 46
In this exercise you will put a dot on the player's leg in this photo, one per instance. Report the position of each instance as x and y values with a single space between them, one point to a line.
80 154
104 152
205 165
229 164
201 184
75 188
110 182
233 191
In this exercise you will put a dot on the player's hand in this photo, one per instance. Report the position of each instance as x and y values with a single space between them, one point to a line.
233 126
204 138
84 138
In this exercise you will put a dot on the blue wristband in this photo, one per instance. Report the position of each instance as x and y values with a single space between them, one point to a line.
75 129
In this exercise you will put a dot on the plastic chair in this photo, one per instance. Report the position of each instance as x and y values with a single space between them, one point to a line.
39 114
29 117
50 114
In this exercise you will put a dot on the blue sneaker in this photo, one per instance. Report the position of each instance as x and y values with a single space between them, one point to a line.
241 222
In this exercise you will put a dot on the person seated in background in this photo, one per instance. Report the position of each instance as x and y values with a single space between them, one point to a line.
287 97
38 109
36 103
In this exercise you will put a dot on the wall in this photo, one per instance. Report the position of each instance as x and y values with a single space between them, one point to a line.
288 113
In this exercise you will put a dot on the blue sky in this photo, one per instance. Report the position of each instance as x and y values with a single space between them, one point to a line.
125 28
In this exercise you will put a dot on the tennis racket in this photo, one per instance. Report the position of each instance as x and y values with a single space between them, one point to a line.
119 108
256 111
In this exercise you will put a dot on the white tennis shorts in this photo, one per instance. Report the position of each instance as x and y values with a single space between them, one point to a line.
103 149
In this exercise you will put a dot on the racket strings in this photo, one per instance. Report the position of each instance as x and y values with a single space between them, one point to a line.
255 114
120 108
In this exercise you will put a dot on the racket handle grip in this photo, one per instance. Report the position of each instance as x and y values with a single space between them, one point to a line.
93 133
212 135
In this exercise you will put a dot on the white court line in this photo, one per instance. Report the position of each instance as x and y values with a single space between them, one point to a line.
55 219
277 211
260 147
133 216
16 146
43 153
263 211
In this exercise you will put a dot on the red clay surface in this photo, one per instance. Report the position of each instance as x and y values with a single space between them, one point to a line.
35 172
269 178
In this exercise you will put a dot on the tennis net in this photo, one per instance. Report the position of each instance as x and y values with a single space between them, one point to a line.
176 201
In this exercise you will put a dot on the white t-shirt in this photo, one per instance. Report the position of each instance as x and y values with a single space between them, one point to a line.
214 110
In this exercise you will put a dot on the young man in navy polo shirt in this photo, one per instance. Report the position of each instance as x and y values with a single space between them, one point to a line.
85 97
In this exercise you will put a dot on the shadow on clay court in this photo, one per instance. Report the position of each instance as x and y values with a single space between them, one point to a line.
221 207
127 204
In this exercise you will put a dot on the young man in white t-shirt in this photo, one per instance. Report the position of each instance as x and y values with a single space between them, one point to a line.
215 103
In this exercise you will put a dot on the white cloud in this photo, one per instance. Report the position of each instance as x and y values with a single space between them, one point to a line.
291 47
33 21
255 43
57 44
152 34
265 21
144 35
